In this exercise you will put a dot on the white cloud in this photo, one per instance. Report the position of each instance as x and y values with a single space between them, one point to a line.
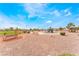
56 13
49 21
67 12
34 9
77 19
21 17
6 22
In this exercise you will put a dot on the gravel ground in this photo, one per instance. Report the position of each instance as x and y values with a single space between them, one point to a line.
41 45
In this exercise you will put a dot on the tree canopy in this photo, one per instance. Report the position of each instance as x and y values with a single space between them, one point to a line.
70 25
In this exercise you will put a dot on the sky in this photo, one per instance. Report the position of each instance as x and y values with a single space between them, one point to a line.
38 15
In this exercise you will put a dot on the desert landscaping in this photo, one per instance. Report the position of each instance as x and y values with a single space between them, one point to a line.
40 42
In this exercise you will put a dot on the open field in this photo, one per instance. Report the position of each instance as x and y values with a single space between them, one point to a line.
41 44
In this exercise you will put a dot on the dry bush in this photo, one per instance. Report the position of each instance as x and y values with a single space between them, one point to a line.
62 33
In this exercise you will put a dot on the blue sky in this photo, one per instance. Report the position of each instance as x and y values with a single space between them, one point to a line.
38 15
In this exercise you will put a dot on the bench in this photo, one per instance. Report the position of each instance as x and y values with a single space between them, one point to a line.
9 37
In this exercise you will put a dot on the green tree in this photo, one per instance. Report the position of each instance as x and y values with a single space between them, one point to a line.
78 27
61 28
17 28
50 29
11 28
70 25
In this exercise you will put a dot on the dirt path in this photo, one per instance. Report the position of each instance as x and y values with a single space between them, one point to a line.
33 44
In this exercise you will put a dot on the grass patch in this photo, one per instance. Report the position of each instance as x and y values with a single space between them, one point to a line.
7 32
66 54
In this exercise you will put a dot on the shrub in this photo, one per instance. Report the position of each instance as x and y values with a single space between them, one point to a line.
62 33
28 31
24 31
